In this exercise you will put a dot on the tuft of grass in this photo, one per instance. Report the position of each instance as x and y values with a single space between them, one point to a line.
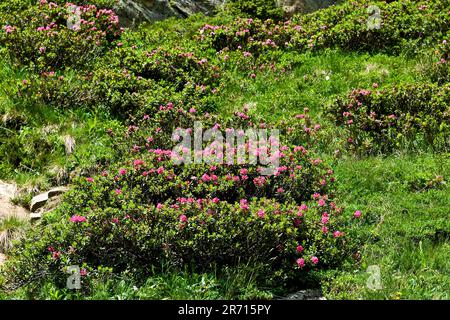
12 228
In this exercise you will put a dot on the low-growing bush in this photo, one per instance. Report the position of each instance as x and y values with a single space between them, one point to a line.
150 211
441 69
345 26
49 36
399 117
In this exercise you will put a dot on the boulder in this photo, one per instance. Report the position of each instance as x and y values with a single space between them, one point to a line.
42 199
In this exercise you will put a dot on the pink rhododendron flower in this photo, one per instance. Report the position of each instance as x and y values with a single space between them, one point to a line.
301 262
160 170
77 218
314 260
299 248
337 234
325 218
244 204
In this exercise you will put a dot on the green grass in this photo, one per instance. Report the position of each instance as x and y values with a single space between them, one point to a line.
404 228
315 80
406 232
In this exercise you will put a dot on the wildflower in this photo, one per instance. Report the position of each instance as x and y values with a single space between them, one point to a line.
160 170
299 248
118 191
9 29
122 172
183 218
77 218
90 179
357 214
301 262
159 206
56 255
83 272
321 203
261 213
215 200
337 234
314 260
243 204
324 229
325 218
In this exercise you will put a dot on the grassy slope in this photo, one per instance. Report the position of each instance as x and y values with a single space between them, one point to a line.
406 231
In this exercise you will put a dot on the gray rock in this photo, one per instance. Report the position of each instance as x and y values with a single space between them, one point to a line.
35 216
132 12
308 294
41 200
38 201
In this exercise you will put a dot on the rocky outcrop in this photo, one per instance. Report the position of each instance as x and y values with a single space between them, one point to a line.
7 192
291 7
132 12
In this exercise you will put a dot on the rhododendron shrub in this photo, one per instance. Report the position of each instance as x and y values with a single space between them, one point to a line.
398 117
155 130
199 233
147 212
135 82
49 36
139 81
441 70
345 28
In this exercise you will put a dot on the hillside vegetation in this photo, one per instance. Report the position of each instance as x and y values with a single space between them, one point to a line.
364 121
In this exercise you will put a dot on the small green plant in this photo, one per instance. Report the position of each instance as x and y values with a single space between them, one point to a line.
12 228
